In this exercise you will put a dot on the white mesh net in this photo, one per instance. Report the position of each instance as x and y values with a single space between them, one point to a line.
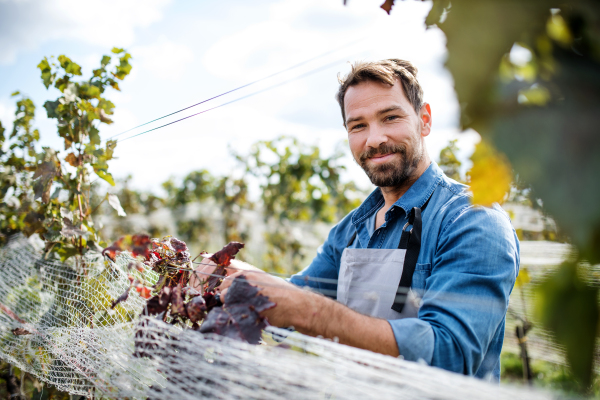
78 344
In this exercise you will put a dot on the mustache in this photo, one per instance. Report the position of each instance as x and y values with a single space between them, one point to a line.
381 150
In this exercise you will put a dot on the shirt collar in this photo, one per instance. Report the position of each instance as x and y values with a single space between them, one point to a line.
415 196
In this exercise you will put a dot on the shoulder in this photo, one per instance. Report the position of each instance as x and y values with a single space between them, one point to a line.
455 206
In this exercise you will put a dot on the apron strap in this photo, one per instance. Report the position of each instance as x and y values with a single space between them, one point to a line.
412 242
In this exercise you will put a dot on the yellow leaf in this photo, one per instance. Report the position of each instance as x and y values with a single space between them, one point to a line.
523 278
491 175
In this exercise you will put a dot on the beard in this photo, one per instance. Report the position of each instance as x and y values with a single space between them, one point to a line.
396 172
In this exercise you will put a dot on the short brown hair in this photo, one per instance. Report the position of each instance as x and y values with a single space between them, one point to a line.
384 71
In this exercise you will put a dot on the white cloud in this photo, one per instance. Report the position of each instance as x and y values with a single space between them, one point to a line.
165 59
27 24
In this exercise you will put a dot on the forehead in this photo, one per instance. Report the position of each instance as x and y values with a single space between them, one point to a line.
370 96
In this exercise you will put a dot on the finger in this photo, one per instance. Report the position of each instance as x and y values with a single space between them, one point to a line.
228 280
223 294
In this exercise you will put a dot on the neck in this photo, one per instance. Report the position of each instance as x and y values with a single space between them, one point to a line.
391 194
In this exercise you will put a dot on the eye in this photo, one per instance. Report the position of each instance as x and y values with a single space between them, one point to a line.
391 117
357 126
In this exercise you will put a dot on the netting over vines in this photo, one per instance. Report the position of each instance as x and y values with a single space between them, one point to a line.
56 323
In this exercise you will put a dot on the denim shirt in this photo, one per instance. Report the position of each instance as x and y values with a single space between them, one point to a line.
465 272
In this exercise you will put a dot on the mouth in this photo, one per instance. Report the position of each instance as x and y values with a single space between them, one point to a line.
381 158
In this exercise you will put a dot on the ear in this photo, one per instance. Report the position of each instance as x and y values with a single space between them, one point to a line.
425 119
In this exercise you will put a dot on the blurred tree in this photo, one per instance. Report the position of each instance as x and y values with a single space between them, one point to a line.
449 163
298 185
46 195
527 77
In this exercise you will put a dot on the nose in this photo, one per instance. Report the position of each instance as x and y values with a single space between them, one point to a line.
377 137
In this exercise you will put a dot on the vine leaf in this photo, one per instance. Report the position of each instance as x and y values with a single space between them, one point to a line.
69 230
239 318
387 6
20 331
224 256
121 298
223 259
44 175
114 202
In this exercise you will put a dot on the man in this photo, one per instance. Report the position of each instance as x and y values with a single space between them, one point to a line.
417 230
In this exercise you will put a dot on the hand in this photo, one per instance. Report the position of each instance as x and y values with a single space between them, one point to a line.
286 296
207 268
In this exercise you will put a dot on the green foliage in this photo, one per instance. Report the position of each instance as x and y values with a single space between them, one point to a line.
45 193
298 184
564 301
540 110
449 163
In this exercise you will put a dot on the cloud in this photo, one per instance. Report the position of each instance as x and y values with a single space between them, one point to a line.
164 59
27 24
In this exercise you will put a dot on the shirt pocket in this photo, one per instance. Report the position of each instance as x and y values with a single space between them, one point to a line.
422 272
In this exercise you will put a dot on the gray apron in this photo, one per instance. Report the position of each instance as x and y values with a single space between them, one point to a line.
377 282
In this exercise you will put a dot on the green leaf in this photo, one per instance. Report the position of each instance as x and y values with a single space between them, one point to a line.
13 94
51 107
69 66
436 12
106 176
117 50
105 61
47 76
569 307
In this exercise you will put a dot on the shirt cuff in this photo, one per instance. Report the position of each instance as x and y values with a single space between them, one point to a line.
415 339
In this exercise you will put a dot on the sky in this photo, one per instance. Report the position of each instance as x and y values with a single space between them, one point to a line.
187 51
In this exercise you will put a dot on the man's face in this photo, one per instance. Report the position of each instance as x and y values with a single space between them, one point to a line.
384 131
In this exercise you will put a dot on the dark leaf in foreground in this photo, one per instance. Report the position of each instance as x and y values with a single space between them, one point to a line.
239 318
154 307
210 300
215 279
224 256
121 298
20 331
196 309
164 297
177 306
178 245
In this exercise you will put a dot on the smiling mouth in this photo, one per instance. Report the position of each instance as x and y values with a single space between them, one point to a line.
381 157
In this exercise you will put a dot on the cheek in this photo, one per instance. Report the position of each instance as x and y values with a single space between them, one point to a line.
356 144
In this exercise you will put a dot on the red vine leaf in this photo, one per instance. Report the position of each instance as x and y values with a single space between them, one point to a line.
144 291
177 306
239 318
224 256
178 245
114 249
387 6
196 309
140 245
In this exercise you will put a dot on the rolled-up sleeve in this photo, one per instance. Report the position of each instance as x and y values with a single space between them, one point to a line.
465 300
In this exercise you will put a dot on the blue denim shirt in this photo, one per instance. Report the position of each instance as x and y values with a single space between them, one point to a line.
465 272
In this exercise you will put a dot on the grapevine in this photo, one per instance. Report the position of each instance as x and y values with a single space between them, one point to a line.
172 299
